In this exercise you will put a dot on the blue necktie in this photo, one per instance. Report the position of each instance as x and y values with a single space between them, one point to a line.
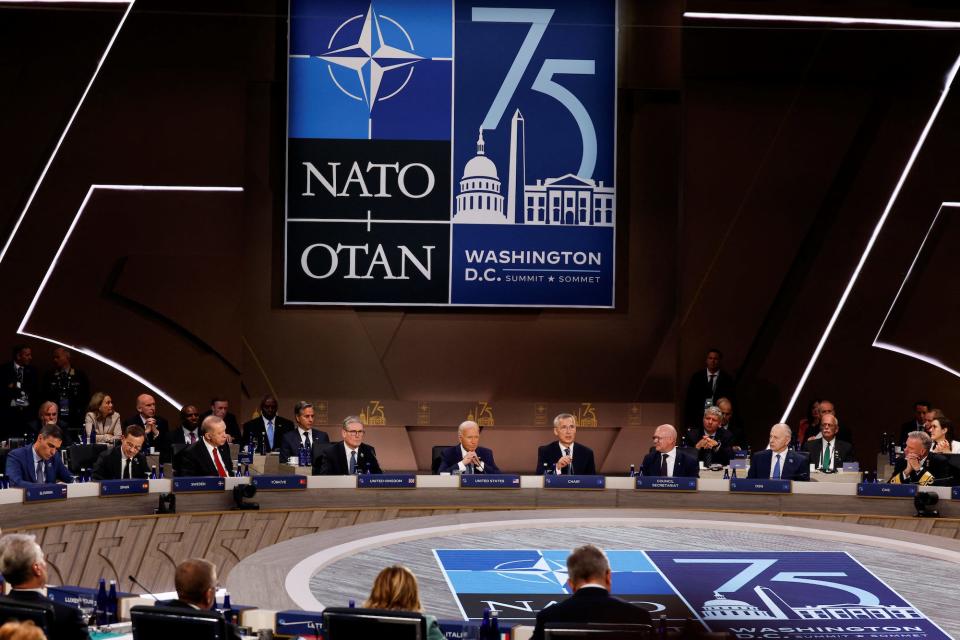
41 476
776 468
353 462
270 432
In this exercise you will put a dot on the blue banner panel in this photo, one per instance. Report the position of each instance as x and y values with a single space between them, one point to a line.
279 483
387 481
300 624
490 481
110 488
199 484
574 482
886 490
79 597
43 492
665 483
759 485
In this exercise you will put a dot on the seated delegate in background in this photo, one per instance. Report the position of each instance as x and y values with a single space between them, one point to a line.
303 435
39 462
102 422
777 462
714 445
918 466
941 433
195 580
829 452
395 588
49 414
349 456
268 427
468 456
126 461
667 460
210 455
809 424
563 455
155 426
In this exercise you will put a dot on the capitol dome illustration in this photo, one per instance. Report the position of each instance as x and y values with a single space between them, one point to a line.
480 200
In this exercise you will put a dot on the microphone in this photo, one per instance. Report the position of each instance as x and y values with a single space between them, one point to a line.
147 591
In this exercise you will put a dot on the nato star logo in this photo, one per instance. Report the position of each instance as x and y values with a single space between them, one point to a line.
542 571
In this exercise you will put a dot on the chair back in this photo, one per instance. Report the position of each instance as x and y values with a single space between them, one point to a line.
351 623
435 454
162 622
41 613
82 456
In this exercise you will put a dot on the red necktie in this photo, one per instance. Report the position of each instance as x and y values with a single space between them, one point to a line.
216 461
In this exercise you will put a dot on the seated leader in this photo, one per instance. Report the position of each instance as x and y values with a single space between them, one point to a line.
918 466
208 456
303 435
126 461
563 456
39 462
714 445
467 457
667 460
349 456
195 580
777 462
268 428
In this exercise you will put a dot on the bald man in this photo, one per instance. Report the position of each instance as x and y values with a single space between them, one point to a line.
667 460
778 462
157 429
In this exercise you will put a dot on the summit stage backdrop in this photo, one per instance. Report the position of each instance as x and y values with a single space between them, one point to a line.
451 153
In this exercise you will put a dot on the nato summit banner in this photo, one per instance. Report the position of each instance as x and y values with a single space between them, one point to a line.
451 153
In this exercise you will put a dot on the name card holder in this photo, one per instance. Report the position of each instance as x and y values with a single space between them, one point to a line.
955 493
665 483
885 490
130 487
760 485
244 457
738 463
79 597
33 492
294 624
199 484
851 467
490 481
279 483
574 482
387 481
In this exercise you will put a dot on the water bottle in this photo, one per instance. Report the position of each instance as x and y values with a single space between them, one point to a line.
112 603
160 475
82 476
83 436
246 471
239 471
726 473
303 456
893 455
100 606
3 482
485 626
227 607
352 603
633 471
546 469
733 473
153 472
884 443
495 625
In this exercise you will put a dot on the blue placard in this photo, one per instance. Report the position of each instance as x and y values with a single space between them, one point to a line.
280 483
199 483
666 483
387 481
955 493
574 482
33 492
110 488
490 481
741 454
79 597
299 624
852 467
759 485
245 457
886 490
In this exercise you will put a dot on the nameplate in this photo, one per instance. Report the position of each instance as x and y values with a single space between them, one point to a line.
886 490
490 481
741 454
244 457
387 481
279 483
199 484
110 488
665 483
955 493
79 597
294 624
42 492
759 485
738 463
574 482
851 467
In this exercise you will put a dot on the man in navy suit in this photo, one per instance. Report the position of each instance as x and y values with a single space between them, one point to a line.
564 456
467 457
777 462
349 456
667 460
588 574
39 462
303 435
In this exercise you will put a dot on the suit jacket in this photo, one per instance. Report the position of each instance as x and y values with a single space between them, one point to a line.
31 384
170 438
195 461
233 427
290 444
109 465
842 452
794 465
332 460
254 430
720 455
698 390
935 471
21 469
68 622
75 389
158 441
232 633
684 466
34 427
450 459
548 454
591 604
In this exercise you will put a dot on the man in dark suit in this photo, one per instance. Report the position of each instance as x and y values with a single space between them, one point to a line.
196 583
39 462
350 455
209 456
25 570
588 574
667 460
20 392
186 433
126 461
468 456
156 428
713 444
827 452
920 408
67 387
268 428
778 462
918 466
563 456
303 435
706 387
220 407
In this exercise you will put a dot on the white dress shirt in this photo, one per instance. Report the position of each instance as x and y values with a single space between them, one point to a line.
463 467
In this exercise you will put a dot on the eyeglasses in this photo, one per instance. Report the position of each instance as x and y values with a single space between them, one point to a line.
355 432
567 427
